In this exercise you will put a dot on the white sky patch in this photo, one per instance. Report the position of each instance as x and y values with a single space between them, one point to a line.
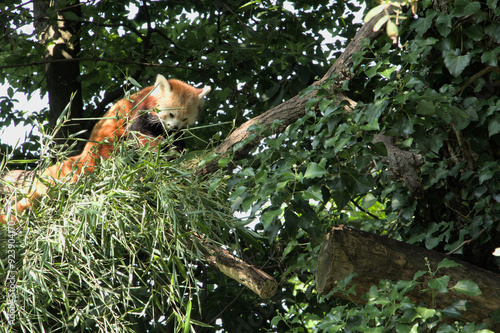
13 135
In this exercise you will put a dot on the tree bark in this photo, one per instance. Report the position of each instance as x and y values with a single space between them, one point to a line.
373 257
248 275
403 165
60 36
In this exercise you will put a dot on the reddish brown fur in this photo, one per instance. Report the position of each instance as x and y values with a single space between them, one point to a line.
106 132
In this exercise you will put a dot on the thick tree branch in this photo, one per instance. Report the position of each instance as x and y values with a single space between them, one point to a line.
288 112
373 257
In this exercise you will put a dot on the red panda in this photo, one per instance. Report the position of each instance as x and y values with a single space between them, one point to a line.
169 105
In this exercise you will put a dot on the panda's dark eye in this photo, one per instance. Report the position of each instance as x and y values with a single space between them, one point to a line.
184 119
172 115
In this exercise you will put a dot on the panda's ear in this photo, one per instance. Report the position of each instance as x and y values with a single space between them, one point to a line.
162 87
203 92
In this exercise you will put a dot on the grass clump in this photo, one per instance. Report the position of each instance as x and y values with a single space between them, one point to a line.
115 251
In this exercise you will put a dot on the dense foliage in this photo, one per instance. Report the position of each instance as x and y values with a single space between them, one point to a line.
255 56
435 93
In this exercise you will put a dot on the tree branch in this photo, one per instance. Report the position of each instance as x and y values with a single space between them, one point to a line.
248 275
291 110
373 258
95 59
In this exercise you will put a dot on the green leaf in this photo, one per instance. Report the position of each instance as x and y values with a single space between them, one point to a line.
447 263
440 284
492 4
388 72
494 126
134 82
465 7
445 328
187 320
484 175
268 216
314 170
443 24
371 126
493 30
452 312
323 104
340 144
495 315
426 108
422 24
432 241
467 287
456 63
270 92
475 32
419 274
425 313
368 201
491 57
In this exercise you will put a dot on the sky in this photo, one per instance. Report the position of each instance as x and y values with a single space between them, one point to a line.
12 135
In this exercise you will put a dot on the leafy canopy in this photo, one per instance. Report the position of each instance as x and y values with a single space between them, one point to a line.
435 93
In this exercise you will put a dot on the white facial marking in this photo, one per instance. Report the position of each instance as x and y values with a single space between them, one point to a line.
177 111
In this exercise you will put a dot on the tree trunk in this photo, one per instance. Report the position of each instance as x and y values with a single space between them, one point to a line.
58 30
373 257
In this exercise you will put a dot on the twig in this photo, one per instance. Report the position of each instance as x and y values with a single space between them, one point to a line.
464 243
95 59
364 210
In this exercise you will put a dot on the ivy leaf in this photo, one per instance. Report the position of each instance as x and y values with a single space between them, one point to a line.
494 126
425 313
314 170
452 312
422 24
495 315
465 7
426 108
491 57
447 263
443 24
456 63
467 287
440 284
371 126
475 32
